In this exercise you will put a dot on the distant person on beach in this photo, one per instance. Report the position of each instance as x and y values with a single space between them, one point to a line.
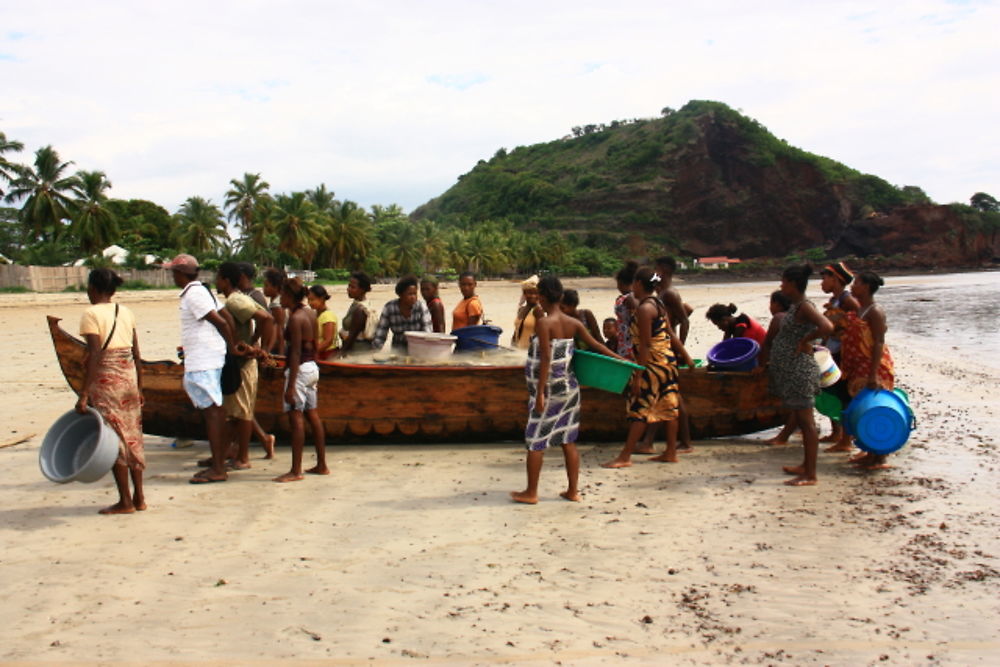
866 361
610 330
834 280
553 391
528 314
678 314
429 290
735 326
405 313
624 308
301 381
252 322
361 319
267 341
570 305
654 395
469 311
273 280
792 369
327 340
205 338
112 383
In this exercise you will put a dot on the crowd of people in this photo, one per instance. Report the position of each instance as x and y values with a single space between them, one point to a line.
222 344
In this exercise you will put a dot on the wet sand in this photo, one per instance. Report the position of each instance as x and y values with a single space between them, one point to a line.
416 553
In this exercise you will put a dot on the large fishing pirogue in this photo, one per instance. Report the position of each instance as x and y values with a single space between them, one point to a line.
407 403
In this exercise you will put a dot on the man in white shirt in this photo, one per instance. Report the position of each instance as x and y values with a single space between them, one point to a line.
206 337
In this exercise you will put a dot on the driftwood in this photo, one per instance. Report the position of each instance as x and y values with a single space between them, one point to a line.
17 440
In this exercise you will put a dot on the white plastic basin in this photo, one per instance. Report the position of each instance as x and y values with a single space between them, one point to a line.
428 346
78 448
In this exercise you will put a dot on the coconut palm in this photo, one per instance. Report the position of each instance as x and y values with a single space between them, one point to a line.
349 235
432 244
93 222
201 227
8 170
322 199
295 220
246 200
48 193
402 243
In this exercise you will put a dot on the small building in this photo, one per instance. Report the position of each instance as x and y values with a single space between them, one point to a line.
715 262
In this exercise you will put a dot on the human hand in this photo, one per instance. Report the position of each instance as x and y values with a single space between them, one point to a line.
539 407
805 347
81 404
290 397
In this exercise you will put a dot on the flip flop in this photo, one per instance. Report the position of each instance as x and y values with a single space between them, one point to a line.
203 479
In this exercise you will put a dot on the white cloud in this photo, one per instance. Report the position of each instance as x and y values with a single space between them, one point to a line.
390 101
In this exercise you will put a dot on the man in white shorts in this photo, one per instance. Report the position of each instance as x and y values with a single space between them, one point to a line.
205 337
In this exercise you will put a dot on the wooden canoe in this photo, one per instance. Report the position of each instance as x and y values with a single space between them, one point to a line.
396 403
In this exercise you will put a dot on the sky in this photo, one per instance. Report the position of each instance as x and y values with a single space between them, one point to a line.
388 102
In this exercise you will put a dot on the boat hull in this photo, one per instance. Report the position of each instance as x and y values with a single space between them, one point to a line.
408 404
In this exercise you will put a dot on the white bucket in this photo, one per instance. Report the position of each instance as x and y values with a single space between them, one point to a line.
829 373
78 448
428 346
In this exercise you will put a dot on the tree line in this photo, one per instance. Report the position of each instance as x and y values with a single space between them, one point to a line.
57 215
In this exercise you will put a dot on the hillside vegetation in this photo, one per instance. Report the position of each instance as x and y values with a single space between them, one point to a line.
701 180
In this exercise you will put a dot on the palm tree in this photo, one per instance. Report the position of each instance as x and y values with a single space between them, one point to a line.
94 223
432 244
245 201
201 227
322 199
349 235
295 220
8 170
48 193
402 243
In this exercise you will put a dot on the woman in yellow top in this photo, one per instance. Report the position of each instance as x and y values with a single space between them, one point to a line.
469 311
527 314
327 340
112 383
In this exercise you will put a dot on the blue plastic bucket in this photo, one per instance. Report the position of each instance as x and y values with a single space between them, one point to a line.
477 337
734 354
879 420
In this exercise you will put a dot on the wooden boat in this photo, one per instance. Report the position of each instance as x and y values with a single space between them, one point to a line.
406 403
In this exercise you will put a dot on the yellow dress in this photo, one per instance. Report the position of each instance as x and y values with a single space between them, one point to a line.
659 395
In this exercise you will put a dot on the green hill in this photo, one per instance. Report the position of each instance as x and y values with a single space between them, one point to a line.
702 180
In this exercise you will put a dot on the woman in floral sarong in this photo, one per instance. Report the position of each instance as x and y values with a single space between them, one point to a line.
864 358
112 383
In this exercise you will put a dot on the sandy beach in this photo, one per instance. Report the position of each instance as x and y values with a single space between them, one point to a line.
414 554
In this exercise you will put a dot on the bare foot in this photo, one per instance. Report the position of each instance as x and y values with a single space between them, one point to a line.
833 437
205 463
288 477
664 458
860 458
317 470
644 450
239 465
139 503
794 470
684 449
268 446
801 481
839 447
118 508
776 442
617 463
573 496
523 497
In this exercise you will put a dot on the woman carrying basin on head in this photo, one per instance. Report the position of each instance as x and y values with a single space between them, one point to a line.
112 383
